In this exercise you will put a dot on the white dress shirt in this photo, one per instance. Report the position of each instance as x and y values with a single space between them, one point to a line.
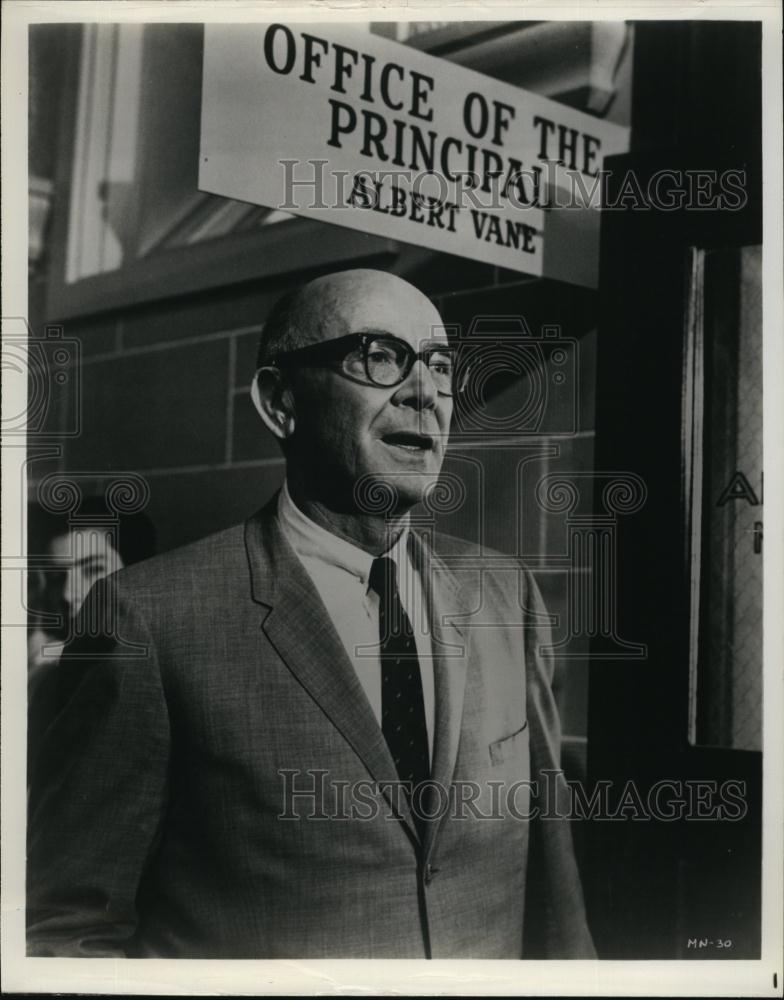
340 571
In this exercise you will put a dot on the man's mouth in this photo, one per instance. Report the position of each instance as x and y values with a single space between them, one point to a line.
409 441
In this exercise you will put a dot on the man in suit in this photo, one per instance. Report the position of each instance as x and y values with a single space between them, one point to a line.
314 735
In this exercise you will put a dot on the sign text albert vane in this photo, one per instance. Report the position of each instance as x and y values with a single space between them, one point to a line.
360 131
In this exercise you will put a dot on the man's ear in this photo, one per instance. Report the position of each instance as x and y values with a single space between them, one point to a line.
273 401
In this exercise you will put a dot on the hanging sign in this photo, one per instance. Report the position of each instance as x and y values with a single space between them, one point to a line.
356 130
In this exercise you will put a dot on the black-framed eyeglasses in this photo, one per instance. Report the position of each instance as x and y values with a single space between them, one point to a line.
377 359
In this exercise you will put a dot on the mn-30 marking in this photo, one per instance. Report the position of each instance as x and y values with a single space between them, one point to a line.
709 943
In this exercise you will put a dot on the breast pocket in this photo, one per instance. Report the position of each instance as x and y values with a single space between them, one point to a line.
509 774
510 749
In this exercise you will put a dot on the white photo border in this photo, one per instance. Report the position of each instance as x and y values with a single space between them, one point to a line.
433 977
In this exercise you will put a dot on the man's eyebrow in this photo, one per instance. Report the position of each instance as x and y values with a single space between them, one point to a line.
90 561
376 332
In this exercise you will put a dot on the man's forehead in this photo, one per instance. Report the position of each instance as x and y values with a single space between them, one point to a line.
85 540
368 301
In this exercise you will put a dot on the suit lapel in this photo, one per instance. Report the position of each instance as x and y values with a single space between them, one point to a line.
452 650
299 627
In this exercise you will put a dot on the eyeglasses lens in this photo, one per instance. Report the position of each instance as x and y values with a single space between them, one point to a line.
441 367
389 362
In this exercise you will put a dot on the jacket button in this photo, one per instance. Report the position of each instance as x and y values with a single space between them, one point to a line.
430 873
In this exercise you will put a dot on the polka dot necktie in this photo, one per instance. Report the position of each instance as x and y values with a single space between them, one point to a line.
402 703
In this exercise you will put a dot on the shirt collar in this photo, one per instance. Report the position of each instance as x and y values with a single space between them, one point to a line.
310 541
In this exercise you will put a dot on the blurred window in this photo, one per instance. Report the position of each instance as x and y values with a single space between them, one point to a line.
136 152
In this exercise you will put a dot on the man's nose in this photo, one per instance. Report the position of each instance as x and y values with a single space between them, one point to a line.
418 389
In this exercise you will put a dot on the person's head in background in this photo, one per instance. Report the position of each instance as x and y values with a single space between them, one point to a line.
77 551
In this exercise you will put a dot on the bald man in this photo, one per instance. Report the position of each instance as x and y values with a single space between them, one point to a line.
320 734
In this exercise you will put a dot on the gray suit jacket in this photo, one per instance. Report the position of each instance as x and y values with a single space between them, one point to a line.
209 686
